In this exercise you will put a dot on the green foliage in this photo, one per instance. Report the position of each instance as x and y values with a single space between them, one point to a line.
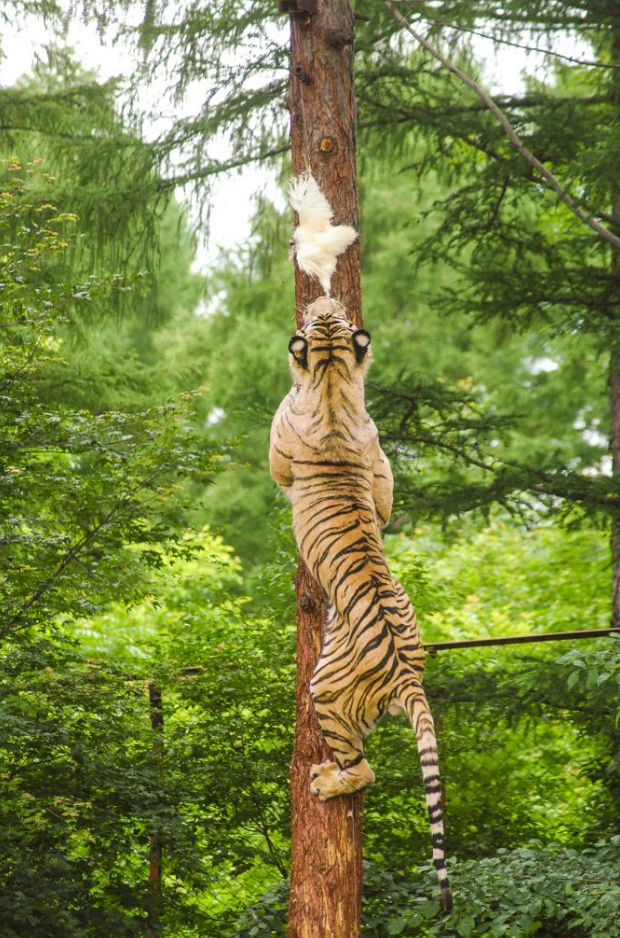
103 169
492 311
519 893
506 579
80 795
77 489
87 498
226 676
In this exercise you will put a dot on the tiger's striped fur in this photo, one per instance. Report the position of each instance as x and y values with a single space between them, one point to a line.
325 454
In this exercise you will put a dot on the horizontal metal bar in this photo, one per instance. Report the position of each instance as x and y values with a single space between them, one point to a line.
433 647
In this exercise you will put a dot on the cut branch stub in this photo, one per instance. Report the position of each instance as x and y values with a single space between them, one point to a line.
328 146
302 74
300 10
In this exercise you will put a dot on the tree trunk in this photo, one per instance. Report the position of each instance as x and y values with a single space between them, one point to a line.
323 116
614 389
153 919
326 862
614 372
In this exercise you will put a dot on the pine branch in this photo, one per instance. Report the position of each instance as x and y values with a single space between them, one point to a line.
213 169
591 63
510 102
528 19
548 485
514 138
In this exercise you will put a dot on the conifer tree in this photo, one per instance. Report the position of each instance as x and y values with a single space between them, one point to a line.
529 263
517 256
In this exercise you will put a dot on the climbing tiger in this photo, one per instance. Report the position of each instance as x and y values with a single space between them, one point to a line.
325 455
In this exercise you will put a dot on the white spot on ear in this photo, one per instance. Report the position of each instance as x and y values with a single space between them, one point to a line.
298 345
362 340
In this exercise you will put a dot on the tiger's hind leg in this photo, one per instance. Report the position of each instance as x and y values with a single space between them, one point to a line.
330 779
350 771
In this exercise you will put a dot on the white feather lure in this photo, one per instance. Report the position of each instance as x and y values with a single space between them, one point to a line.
316 243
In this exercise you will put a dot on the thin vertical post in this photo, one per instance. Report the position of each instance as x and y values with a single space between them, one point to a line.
153 920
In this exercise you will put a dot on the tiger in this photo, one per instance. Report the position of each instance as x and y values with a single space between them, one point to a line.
325 455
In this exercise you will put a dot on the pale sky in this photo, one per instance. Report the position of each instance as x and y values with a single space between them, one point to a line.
232 203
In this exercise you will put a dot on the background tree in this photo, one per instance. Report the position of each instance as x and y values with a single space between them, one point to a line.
87 496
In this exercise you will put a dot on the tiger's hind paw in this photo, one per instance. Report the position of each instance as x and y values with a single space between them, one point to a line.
323 768
329 781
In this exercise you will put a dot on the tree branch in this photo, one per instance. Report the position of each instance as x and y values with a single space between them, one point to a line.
593 63
213 169
512 134
76 549
264 829
548 488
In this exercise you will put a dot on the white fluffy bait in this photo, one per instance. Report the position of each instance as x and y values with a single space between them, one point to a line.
316 243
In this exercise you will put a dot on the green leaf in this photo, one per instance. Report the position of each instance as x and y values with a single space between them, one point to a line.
465 927
397 925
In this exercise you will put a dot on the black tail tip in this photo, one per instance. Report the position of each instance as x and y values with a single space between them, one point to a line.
446 899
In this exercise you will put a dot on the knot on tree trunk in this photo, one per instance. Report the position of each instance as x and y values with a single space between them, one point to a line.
339 38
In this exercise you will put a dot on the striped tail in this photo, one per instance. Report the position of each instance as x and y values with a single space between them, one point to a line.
419 713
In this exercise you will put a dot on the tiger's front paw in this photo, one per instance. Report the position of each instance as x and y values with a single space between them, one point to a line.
329 781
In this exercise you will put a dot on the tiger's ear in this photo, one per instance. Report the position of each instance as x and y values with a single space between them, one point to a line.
298 347
361 344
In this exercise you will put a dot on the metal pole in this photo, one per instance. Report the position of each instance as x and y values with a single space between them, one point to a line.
433 647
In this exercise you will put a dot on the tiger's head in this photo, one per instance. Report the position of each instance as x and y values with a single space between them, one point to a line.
328 342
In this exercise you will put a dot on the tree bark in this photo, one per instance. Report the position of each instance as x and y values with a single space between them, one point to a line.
614 392
326 862
153 920
614 370
323 119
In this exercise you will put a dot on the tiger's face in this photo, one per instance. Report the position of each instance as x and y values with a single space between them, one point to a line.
327 343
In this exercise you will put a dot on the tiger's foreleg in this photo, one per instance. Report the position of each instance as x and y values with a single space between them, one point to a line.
280 458
280 468
383 486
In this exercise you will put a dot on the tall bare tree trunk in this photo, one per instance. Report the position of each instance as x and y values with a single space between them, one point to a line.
614 389
326 863
614 371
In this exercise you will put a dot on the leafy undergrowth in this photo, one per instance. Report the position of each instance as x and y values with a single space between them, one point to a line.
544 891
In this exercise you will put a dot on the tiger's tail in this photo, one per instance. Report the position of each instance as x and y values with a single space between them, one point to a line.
419 713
